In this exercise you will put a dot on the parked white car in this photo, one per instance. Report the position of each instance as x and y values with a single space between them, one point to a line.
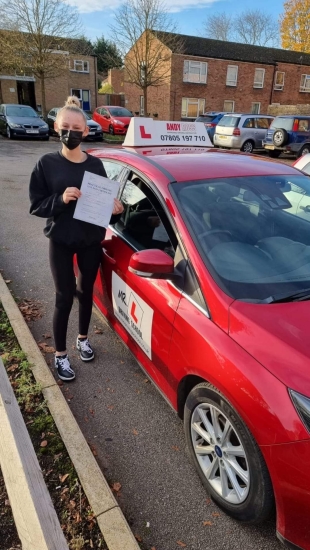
303 163
244 132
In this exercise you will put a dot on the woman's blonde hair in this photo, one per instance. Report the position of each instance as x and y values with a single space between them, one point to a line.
72 104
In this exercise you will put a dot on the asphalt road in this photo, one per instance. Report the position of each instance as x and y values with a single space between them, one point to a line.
137 438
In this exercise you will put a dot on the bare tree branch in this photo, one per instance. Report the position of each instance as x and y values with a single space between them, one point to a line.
218 26
147 51
256 27
39 32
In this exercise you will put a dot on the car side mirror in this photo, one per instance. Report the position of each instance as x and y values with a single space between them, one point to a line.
155 264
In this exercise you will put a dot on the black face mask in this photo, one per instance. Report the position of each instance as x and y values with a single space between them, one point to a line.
71 138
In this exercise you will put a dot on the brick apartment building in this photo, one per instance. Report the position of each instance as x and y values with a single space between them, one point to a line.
213 75
79 79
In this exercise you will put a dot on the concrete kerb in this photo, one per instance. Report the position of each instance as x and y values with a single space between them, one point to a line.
111 520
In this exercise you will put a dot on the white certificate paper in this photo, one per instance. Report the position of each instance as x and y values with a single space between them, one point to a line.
97 200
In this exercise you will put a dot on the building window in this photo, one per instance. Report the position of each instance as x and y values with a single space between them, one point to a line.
259 78
142 105
229 106
192 108
83 96
232 75
305 83
255 108
195 71
279 81
77 93
80 66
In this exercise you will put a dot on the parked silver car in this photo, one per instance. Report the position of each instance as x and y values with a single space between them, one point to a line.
244 132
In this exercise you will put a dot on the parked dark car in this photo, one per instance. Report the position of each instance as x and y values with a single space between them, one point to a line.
21 121
95 130
288 134
210 120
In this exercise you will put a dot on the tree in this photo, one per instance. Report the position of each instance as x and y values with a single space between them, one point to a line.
248 27
108 56
295 25
219 26
146 37
256 27
37 28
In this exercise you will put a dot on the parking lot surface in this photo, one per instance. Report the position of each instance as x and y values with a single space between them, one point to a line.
137 439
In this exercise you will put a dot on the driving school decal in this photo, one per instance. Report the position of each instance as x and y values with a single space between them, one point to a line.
148 132
133 313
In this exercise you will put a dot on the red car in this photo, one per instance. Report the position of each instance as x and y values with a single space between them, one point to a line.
114 120
206 278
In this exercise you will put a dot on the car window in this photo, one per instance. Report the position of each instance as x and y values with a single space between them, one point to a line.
1 109
144 223
52 113
205 119
21 111
227 120
281 122
249 123
252 232
120 111
263 123
303 125
113 169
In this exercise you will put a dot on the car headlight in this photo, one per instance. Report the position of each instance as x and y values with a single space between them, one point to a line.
302 405
13 125
45 126
119 122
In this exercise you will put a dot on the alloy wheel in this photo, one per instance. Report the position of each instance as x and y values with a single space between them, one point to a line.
248 147
220 454
8 132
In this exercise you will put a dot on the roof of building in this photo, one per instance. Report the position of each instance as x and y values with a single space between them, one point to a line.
207 47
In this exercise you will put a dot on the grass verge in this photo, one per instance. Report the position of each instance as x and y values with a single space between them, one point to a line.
75 515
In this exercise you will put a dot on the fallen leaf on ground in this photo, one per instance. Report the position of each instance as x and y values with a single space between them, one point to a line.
207 523
43 443
12 368
139 539
135 432
7 281
215 514
63 478
110 407
175 448
98 331
153 548
72 503
180 543
46 348
146 380
60 383
92 412
116 487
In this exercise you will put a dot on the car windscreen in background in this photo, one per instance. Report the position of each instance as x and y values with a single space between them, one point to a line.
21 111
231 121
118 111
281 122
205 118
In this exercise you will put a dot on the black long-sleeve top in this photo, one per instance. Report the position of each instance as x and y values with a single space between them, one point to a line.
50 177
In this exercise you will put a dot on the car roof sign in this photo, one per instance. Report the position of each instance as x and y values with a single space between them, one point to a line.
148 132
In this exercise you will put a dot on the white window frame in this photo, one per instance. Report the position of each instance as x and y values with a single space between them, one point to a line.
192 77
259 83
278 86
192 101
303 83
142 105
80 66
253 111
232 81
228 110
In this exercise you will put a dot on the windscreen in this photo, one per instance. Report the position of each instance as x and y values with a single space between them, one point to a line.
231 121
18 110
281 122
253 233
205 119
119 111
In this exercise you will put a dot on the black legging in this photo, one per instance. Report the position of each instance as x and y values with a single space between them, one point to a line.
61 261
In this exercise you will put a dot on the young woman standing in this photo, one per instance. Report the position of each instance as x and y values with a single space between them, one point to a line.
54 188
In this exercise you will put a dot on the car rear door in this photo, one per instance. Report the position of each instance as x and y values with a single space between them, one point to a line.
142 310
262 124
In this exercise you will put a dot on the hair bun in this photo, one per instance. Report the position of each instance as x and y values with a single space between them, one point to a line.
73 100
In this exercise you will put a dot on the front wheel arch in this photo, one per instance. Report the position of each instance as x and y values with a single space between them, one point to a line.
184 388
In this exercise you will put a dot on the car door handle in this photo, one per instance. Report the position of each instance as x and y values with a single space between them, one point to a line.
105 248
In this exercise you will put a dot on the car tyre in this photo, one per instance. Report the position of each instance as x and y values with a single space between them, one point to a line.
9 132
280 137
111 130
274 154
305 150
248 146
234 450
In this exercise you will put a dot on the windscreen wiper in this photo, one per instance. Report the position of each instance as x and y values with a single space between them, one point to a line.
295 297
